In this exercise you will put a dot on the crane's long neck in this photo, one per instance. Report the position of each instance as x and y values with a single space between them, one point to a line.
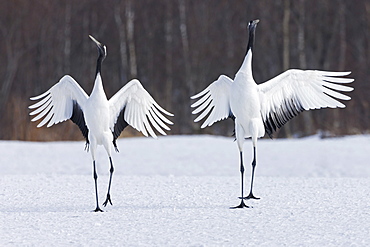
98 64
246 66
252 31
98 85
247 63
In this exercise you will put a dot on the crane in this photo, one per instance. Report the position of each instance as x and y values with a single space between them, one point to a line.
259 108
100 120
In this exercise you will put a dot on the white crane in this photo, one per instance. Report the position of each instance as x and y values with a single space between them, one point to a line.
261 108
101 121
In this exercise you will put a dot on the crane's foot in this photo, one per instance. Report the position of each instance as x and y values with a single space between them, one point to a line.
251 196
107 200
97 209
241 205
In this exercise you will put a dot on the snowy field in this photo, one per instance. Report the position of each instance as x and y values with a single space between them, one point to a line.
177 190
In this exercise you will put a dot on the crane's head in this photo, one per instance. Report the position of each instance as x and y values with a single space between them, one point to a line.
102 49
252 25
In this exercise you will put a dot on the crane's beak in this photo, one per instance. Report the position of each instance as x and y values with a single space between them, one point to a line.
96 42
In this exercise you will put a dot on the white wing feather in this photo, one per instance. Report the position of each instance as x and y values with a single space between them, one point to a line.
141 110
296 90
214 100
56 104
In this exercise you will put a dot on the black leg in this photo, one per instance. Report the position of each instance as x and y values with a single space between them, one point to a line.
242 204
251 196
96 189
110 181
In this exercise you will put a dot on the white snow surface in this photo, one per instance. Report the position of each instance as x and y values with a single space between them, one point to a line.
177 190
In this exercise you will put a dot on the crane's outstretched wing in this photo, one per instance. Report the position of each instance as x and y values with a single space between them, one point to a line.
294 91
133 105
61 102
215 101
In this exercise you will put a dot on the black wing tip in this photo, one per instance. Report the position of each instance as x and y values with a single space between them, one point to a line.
276 119
115 145
79 119
120 125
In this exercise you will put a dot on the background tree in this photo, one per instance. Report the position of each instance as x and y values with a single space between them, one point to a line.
176 49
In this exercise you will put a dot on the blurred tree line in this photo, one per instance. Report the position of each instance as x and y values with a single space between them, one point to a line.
176 48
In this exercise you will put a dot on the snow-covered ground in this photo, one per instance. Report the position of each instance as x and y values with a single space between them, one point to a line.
177 190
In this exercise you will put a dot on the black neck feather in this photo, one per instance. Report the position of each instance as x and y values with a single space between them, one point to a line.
251 38
98 64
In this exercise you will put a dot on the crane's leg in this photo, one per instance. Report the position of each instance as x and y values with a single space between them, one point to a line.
242 204
96 189
239 133
110 181
251 196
